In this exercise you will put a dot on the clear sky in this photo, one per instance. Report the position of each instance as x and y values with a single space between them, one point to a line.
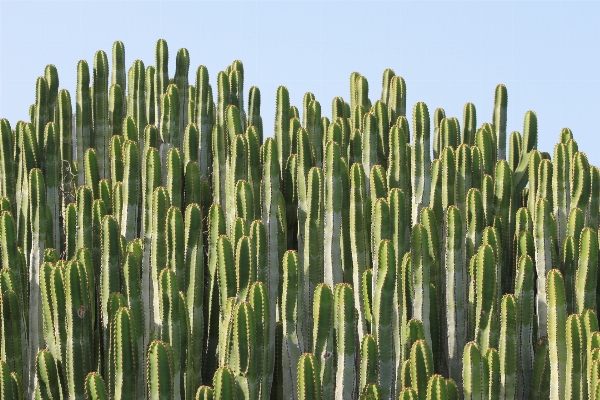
449 53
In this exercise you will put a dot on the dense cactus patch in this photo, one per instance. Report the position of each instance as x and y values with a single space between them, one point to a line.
155 243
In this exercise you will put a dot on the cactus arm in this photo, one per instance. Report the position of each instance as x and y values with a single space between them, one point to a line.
383 296
586 276
557 347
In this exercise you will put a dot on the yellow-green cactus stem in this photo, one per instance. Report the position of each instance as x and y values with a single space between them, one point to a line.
170 323
48 378
369 362
346 343
224 384
421 367
100 112
182 66
131 191
269 199
292 321
309 386
485 282
455 294
408 393
83 116
586 276
216 227
438 115
11 348
524 296
420 160
545 260
205 393
574 380
508 350
436 388
421 267
37 212
557 345
475 371
159 372
580 181
499 120
94 387
529 145
384 295
204 121
396 98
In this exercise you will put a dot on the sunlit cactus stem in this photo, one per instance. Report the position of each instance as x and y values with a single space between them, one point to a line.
346 343
308 378
420 159
37 205
456 294
159 371
131 191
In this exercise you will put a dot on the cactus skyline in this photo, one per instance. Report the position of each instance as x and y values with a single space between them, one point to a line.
156 242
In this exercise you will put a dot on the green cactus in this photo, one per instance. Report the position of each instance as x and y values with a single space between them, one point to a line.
420 160
383 296
170 324
396 98
369 362
557 345
485 282
421 267
159 371
421 367
308 378
574 382
528 147
48 380
456 296
292 321
37 206
345 339
12 350
241 347
545 259
94 387
586 276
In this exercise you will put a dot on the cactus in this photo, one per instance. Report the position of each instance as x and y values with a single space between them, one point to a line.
344 326
308 378
545 258
574 382
421 266
556 333
456 279
159 371
104 252
420 160
292 321
94 387
586 276
421 367
383 295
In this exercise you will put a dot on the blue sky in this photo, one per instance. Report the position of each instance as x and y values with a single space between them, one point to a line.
449 53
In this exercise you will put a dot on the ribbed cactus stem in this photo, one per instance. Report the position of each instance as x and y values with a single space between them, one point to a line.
456 295
557 310
292 321
421 266
346 343
37 205
383 297
586 276
420 159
